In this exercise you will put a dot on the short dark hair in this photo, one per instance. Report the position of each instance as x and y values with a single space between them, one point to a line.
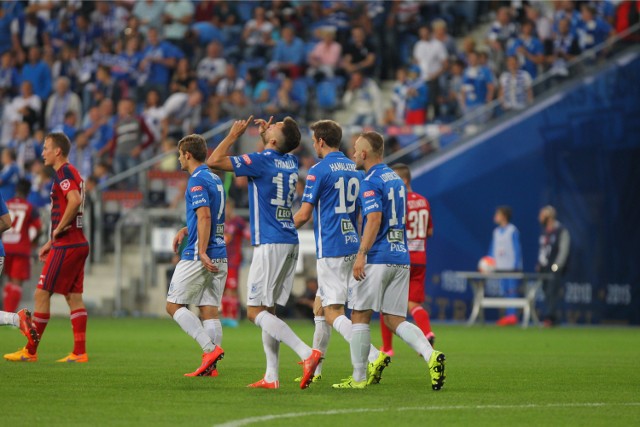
194 144
23 187
506 211
291 135
61 141
402 170
375 140
329 131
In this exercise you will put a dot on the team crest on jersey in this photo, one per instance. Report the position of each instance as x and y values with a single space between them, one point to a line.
311 177
246 159
65 185
196 188
369 193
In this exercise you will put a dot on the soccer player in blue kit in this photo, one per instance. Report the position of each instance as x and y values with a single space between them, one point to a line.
201 273
331 195
273 174
382 265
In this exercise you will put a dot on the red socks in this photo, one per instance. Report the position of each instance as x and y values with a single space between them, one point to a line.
421 317
40 321
230 307
387 336
11 296
79 325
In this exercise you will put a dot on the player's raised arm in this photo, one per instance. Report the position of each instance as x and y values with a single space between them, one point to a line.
219 159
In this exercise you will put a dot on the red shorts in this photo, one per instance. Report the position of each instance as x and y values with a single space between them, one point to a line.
17 267
417 275
232 278
63 271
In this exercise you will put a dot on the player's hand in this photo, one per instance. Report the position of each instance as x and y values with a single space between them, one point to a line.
358 267
44 251
208 264
239 126
262 124
57 232
178 239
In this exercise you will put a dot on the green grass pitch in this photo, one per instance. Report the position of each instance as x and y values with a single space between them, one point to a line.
565 376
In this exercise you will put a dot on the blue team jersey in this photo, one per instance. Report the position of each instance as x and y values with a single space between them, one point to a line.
272 185
204 188
383 191
332 188
3 211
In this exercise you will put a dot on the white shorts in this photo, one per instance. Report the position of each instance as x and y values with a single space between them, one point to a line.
193 284
271 274
385 289
335 274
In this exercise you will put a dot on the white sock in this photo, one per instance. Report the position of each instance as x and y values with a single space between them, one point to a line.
213 327
413 336
190 323
360 344
321 337
282 332
8 318
272 351
342 324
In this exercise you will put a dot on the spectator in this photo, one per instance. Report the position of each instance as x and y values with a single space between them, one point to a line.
9 77
5 31
159 59
566 10
409 98
109 19
169 163
256 35
592 30
440 33
183 78
553 256
67 65
88 35
153 114
64 35
99 127
38 73
41 182
27 149
527 49
182 114
325 56
543 25
69 126
451 108
359 54
150 13
82 155
9 175
502 31
27 31
229 83
564 48
431 56
515 91
130 62
364 99
257 89
289 54
285 103
62 100
211 68
130 137
477 89
177 16
24 107
236 105
468 46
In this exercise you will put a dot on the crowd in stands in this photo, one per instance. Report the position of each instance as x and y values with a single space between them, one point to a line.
126 79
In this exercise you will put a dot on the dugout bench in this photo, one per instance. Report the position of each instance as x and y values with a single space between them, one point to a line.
531 281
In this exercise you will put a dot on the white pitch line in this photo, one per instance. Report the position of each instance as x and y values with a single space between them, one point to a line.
252 420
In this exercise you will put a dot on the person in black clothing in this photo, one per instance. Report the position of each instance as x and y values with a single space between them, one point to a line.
552 259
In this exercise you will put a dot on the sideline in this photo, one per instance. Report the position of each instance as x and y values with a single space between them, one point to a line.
252 420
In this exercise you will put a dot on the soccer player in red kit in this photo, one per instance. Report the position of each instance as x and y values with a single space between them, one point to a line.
236 230
17 244
64 254
419 227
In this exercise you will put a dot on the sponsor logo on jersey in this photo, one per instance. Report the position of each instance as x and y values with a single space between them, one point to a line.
311 177
246 159
196 188
283 214
220 230
346 226
307 196
395 236
65 185
237 161
369 193
199 201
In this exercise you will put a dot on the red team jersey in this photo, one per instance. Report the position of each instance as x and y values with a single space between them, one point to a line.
238 230
418 222
16 240
65 180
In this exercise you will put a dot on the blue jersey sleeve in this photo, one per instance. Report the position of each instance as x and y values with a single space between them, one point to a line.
313 186
197 194
370 198
250 165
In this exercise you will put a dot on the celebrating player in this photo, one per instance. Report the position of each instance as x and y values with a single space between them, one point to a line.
17 244
273 175
419 227
64 254
382 265
331 195
202 270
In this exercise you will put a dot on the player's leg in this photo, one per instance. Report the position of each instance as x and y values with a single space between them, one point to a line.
230 303
321 334
509 290
387 337
211 301
17 269
417 275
